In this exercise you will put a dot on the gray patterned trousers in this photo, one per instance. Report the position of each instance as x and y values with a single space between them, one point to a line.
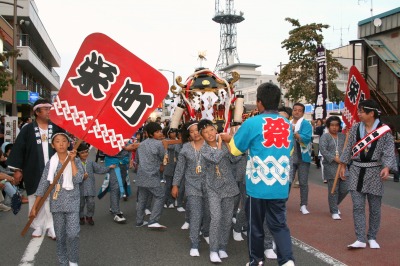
303 169
158 194
241 220
66 227
374 203
90 205
221 211
340 193
199 218
115 194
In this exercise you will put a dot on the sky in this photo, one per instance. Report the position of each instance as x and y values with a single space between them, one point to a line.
170 34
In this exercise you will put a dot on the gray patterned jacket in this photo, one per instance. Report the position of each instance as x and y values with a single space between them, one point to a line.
88 186
68 200
186 168
327 147
149 156
384 153
224 185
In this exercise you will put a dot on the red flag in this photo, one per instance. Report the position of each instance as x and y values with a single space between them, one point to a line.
107 94
356 91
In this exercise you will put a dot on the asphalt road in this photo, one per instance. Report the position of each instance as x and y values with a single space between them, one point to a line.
109 243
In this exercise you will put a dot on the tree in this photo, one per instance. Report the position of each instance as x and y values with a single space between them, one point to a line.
298 76
5 76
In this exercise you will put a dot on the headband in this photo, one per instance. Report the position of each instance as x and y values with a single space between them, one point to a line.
192 125
60 133
41 105
373 109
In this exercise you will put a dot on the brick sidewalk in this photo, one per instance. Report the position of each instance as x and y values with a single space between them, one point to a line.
320 231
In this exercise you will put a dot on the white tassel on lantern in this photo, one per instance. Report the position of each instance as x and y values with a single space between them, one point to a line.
237 115
176 117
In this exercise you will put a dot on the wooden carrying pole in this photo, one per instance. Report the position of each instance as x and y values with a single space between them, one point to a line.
340 166
49 189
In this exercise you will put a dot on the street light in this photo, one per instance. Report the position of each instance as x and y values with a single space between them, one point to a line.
173 86
14 111
173 75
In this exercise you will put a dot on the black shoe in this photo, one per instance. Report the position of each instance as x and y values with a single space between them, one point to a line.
396 180
90 220
82 221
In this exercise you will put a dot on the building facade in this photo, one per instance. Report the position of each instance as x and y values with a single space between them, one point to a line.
379 37
36 77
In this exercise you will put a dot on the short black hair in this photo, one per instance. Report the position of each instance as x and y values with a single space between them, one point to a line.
269 95
82 147
369 106
301 105
8 147
332 119
285 109
152 127
203 123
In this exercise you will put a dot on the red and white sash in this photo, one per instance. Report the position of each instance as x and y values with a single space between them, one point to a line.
368 139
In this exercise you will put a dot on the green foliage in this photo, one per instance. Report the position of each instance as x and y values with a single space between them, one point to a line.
5 76
299 75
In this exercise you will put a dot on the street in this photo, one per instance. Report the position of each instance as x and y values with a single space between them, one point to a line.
109 243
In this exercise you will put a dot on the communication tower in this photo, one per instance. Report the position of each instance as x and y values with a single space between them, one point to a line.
227 18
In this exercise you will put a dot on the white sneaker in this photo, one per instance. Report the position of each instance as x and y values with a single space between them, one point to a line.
222 254
194 252
171 206
233 220
338 212
156 226
207 239
237 236
357 244
288 263
214 257
37 232
165 206
336 216
185 226
245 233
304 210
119 218
51 233
147 212
4 208
373 244
270 254
72 263
180 209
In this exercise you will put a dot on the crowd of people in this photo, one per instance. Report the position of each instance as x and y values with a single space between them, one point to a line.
224 179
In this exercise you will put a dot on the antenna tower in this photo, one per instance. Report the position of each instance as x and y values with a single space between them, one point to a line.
228 19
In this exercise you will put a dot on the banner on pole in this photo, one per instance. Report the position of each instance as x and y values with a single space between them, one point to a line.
321 84
356 91
108 93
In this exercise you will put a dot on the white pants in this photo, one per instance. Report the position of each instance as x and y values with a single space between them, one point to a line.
44 218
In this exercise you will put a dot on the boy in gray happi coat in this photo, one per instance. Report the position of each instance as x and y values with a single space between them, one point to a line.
64 205
221 189
150 155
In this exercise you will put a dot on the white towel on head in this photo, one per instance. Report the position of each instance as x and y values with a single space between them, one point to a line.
67 174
